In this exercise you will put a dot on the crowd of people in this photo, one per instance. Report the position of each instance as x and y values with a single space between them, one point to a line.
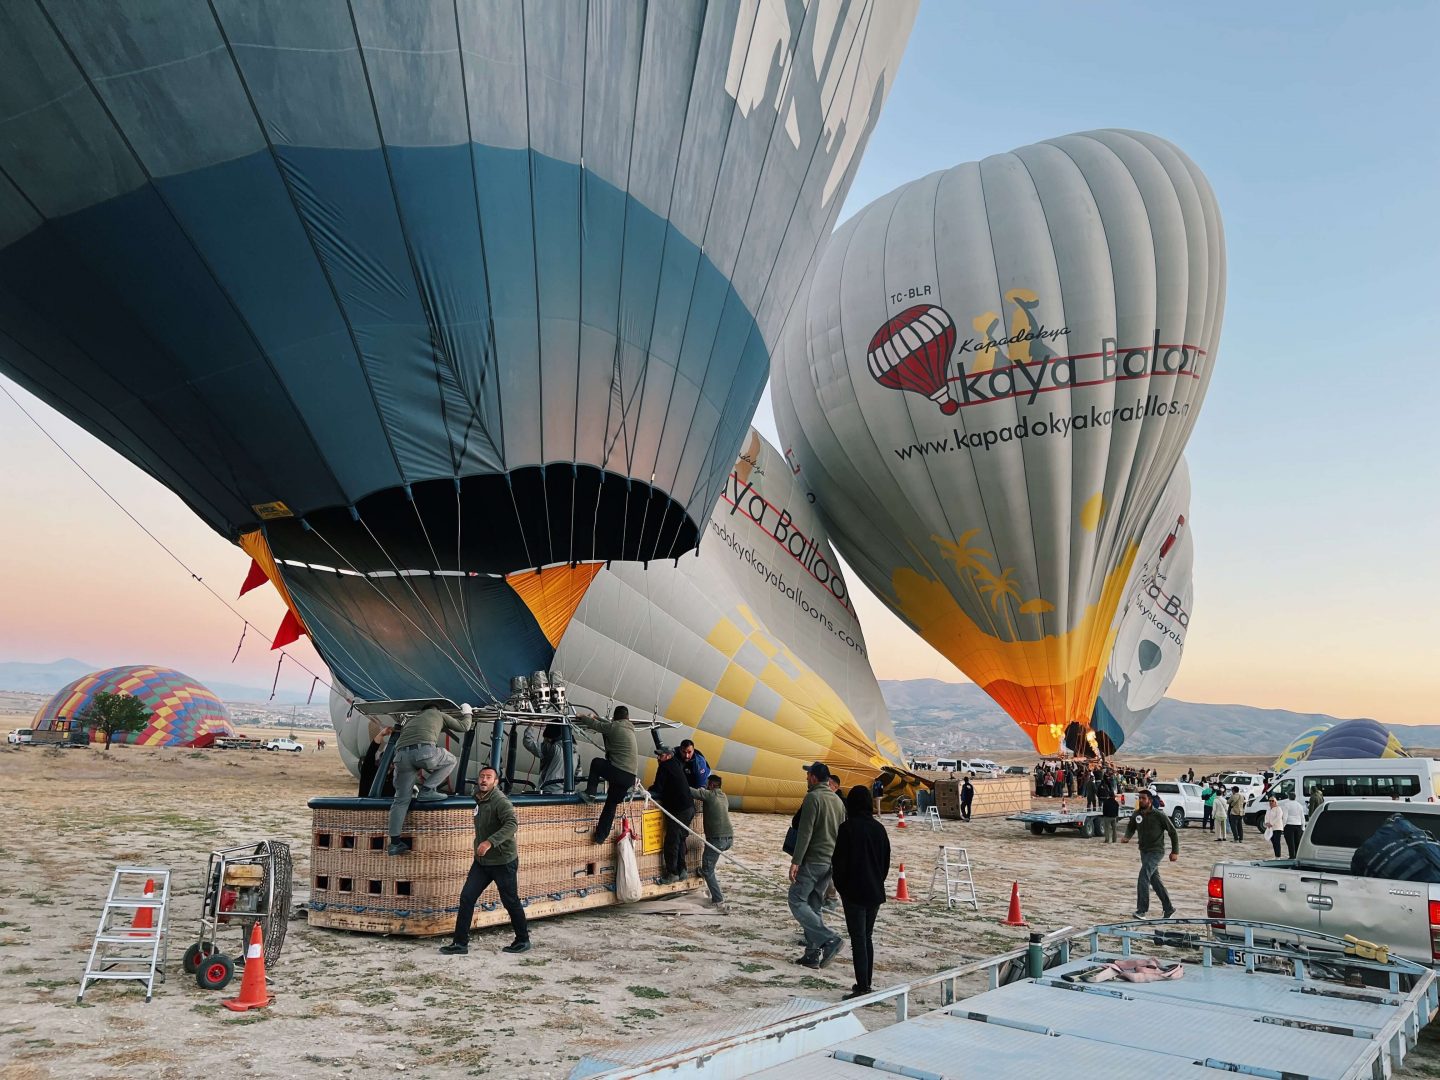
839 853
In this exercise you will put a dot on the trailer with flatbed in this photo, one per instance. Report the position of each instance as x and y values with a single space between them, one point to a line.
1082 822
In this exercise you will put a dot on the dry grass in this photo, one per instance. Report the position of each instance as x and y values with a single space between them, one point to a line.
359 1007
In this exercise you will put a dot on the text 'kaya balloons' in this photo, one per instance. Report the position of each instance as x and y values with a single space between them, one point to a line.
1152 625
424 288
987 380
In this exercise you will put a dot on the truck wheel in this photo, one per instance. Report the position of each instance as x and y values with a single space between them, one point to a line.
1178 817
1036 828
1051 828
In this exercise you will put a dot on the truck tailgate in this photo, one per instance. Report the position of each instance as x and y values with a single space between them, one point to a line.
1393 913
1268 893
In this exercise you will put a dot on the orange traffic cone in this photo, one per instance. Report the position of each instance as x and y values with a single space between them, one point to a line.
1014 918
253 994
901 823
902 890
143 924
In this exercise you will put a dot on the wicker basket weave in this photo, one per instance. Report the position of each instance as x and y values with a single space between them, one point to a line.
356 886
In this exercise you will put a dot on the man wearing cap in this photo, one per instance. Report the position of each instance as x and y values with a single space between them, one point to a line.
1153 825
417 749
617 768
672 791
718 833
810 867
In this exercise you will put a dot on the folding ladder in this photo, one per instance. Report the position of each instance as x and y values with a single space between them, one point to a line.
932 818
953 865
125 947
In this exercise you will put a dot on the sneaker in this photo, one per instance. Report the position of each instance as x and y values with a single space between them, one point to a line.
809 960
855 992
431 795
398 847
517 946
1140 915
667 879
1169 913
589 797
828 951
714 901
454 949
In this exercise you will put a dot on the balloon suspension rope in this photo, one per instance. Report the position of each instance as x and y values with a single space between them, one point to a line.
158 542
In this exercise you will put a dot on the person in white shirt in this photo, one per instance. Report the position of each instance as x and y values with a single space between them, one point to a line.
1275 824
1294 824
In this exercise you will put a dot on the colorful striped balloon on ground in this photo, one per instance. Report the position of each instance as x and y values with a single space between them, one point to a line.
183 711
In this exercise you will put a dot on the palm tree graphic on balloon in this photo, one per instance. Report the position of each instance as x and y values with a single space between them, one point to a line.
972 565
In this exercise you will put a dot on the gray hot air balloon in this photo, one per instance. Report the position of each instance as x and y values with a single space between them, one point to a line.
426 292
1153 623
987 381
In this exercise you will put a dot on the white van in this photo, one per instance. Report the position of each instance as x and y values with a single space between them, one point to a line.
1415 780
947 764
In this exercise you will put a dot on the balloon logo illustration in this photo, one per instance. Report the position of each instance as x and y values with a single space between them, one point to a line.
1149 655
912 352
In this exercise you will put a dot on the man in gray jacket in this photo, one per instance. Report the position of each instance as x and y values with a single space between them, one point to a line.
417 748
815 828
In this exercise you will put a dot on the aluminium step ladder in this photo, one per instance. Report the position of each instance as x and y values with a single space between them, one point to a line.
932 818
122 949
953 867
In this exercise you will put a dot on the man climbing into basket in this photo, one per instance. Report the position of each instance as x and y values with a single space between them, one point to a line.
617 768
497 859
417 749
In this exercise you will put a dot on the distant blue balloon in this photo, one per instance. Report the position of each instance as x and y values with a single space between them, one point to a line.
1357 739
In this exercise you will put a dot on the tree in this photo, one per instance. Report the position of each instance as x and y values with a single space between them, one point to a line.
113 714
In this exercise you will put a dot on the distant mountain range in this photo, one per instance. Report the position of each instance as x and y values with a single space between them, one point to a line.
47 678
932 716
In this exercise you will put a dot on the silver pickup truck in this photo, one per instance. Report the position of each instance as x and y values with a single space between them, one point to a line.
1316 891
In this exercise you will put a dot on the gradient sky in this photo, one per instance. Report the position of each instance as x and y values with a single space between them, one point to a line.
1314 461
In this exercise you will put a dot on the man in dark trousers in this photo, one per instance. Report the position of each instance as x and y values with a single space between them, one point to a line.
617 768
719 835
967 797
497 859
861 864
672 791
1153 826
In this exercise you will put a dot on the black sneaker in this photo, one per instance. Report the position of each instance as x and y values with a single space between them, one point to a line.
829 949
1169 913
455 949
809 960
398 847
668 879
1140 915
517 946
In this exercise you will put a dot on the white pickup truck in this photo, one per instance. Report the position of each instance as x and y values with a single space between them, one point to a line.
1316 891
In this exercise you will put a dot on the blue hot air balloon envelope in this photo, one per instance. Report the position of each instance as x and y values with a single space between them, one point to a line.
425 287
1363 738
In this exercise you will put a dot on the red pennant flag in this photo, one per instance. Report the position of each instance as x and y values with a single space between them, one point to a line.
254 579
290 630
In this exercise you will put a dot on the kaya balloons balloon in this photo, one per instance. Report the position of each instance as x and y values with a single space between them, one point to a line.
986 383
752 645
1153 623
424 289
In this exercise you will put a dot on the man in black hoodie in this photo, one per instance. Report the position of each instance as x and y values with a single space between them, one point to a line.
672 791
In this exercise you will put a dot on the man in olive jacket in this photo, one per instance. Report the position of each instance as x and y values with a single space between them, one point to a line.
497 859
417 750
1153 825
719 836
810 867
617 768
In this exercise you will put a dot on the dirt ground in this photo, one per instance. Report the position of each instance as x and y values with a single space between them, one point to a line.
350 1005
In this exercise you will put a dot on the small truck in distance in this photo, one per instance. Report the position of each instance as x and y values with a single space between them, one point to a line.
1316 890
